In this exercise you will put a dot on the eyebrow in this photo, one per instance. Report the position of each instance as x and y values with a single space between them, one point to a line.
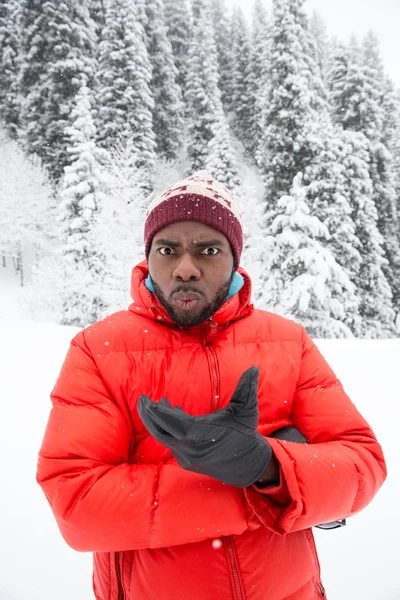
171 244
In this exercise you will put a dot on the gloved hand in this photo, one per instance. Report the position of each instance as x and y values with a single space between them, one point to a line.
224 444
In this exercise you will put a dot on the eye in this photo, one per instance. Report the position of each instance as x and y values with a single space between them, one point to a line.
166 251
214 251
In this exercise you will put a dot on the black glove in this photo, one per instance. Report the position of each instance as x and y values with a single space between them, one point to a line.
224 444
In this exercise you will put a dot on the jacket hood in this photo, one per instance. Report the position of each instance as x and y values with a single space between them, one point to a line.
147 304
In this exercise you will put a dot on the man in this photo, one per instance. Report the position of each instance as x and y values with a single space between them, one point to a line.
165 452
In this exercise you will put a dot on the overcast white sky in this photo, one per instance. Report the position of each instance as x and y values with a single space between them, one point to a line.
343 17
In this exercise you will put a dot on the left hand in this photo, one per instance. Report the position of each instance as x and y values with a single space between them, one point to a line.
224 444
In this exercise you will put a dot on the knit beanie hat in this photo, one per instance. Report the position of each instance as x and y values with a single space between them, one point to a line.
198 198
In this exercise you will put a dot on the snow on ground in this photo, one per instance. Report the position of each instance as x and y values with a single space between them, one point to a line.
358 561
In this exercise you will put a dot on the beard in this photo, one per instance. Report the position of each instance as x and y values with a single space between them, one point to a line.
195 317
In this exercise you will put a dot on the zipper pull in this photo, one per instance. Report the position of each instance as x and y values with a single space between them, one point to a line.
213 326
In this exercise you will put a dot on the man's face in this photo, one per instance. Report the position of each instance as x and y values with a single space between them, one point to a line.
191 266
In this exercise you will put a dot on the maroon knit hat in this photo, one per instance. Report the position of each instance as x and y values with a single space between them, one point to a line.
198 198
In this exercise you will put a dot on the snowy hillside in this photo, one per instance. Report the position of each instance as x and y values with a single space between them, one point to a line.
358 561
193 86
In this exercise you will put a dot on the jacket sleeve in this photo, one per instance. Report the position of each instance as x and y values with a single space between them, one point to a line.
100 501
334 476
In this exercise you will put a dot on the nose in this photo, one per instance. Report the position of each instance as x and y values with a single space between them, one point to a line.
186 269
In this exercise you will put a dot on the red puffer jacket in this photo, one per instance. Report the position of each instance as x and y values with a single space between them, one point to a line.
159 532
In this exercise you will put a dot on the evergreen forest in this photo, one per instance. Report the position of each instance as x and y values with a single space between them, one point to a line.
105 102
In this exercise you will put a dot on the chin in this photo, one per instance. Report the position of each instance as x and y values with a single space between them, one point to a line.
186 320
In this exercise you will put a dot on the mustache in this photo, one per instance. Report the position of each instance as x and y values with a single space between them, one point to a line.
186 289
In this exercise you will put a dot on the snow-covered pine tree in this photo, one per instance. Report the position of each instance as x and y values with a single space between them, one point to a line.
383 172
97 12
200 113
294 112
141 14
33 46
83 268
179 26
27 206
396 152
58 45
353 104
321 42
391 116
342 74
222 33
344 183
385 196
256 242
373 289
391 136
259 76
328 195
208 138
125 101
121 219
243 103
167 94
369 103
221 160
356 83
304 281
196 9
9 65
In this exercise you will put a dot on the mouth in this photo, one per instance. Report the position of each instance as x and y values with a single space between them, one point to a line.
186 300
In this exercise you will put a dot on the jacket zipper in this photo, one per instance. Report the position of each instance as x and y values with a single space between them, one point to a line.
229 543
214 375
118 567
215 399
237 586
311 541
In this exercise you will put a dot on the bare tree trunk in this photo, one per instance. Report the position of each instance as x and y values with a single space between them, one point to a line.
15 263
22 273
21 268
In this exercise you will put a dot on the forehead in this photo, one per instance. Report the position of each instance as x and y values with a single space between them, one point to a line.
189 231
